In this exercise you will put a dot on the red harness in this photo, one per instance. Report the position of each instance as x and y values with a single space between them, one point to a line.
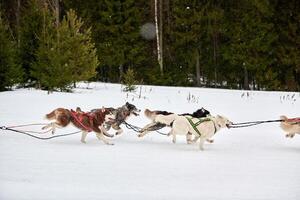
295 120
79 119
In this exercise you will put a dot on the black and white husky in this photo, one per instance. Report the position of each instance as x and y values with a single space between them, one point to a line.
162 119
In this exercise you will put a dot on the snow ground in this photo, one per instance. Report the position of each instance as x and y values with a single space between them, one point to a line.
249 163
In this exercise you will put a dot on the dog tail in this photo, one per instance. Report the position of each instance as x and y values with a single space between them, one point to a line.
50 115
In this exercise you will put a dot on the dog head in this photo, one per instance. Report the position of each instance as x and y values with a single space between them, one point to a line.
223 121
202 112
132 109
283 118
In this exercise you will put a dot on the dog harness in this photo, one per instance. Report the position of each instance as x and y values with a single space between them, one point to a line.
79 116
201 120
294 120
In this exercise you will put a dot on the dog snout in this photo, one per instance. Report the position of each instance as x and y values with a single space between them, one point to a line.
229 124
137 112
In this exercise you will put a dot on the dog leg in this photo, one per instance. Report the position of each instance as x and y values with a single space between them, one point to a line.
202 140
103 130
174 137
189 138
100 136
117 128
195 139
83 136
52 127
144 130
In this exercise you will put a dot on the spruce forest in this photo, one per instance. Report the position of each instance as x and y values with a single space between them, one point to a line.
234 44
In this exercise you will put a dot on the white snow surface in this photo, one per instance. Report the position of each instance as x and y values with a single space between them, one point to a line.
257 162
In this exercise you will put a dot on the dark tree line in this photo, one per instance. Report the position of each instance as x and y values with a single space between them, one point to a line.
245 44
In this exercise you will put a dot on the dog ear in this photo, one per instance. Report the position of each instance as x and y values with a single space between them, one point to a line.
102 109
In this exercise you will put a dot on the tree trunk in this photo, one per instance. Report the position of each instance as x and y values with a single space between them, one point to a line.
246 80
158 26
198 76
18 22
121 71
57 17
161 35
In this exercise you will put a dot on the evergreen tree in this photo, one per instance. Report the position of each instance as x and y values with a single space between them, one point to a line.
31 27
186 36
65 55
251 38
129 80
121 45
287 49
10 71
116 33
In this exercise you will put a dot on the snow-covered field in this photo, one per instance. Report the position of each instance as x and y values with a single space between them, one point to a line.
247 163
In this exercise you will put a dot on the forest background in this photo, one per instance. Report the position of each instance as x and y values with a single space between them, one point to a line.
240 44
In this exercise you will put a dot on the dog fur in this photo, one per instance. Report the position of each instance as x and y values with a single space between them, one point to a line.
291 128
122 114
161 119
64 117
181 126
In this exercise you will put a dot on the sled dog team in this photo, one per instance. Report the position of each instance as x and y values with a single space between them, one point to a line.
198 125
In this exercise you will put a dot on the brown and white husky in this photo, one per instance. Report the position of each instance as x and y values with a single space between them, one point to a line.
87 122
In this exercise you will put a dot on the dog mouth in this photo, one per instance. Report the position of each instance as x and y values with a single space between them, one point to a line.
136 112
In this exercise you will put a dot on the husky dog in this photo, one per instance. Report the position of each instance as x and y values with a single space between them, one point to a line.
203 128
161 119
87 122
290 126
121 114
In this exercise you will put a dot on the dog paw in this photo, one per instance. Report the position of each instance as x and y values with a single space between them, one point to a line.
210 141
140 135
117 133
84 142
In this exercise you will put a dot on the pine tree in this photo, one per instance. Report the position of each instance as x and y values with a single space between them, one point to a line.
120 44
10 71
31 27
250 40
129 80
65 55
287 50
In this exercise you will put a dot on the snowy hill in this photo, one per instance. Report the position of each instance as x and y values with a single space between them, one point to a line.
247 163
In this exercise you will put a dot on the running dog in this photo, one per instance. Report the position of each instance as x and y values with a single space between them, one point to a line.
87 122
203 128
161 119
290 126
121 114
